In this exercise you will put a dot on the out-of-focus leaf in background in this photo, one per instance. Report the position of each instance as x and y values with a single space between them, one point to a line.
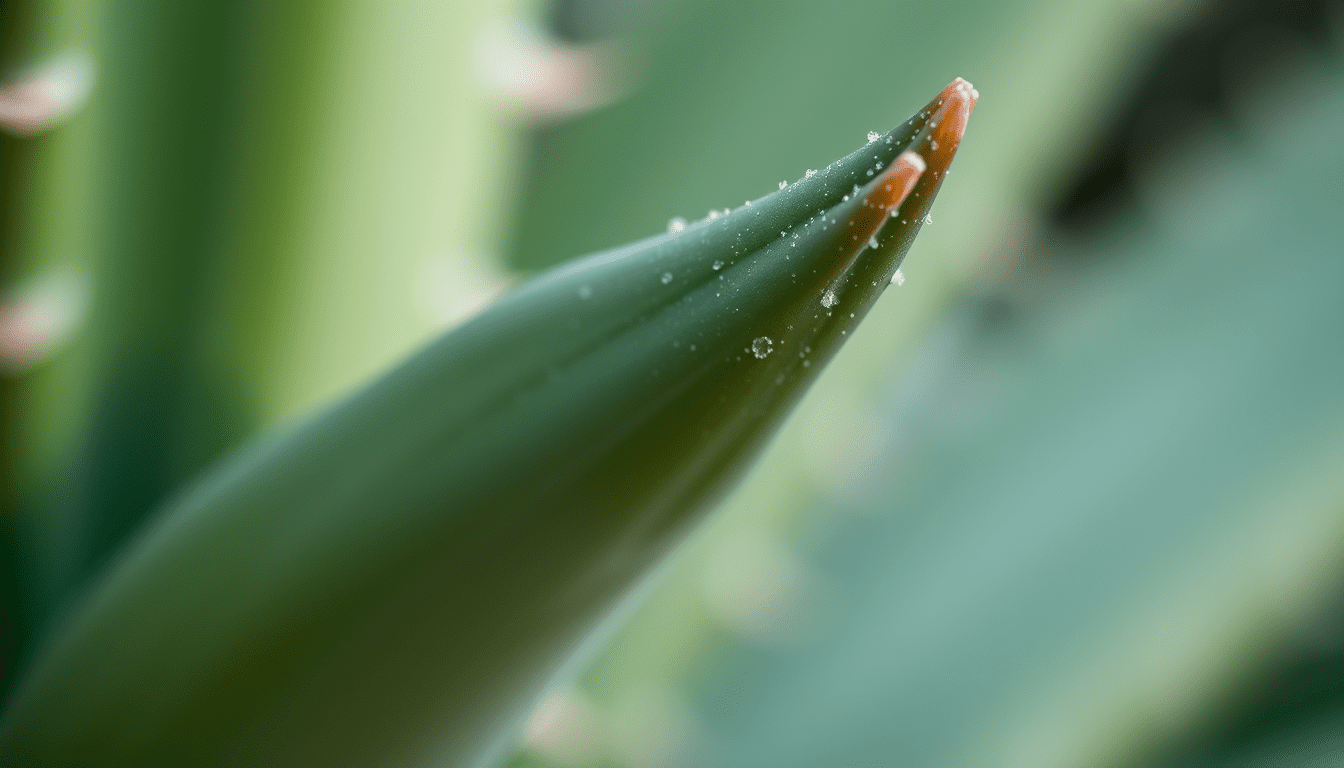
49 70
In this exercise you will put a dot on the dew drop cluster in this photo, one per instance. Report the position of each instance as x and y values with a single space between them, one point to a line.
762 346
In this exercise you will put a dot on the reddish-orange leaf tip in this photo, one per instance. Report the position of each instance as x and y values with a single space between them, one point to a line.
892 190
948 124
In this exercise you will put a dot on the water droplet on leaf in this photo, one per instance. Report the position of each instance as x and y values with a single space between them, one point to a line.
762 346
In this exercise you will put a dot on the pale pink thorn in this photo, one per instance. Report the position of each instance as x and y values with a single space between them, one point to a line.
47 94
37 317
543 78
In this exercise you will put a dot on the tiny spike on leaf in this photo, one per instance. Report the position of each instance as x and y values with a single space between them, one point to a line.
47 94
394 582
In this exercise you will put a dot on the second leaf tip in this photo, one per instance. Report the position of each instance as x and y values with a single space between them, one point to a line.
896 186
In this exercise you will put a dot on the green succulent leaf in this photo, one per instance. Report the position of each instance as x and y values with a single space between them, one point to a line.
393 582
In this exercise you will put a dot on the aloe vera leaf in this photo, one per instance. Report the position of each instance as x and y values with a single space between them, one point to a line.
395 580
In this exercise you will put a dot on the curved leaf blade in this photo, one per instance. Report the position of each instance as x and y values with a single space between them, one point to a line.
394 581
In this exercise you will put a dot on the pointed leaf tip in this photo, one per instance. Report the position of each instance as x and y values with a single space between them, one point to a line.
964 85
948 123
936 140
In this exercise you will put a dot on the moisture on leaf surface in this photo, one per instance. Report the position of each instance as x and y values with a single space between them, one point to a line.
394 581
